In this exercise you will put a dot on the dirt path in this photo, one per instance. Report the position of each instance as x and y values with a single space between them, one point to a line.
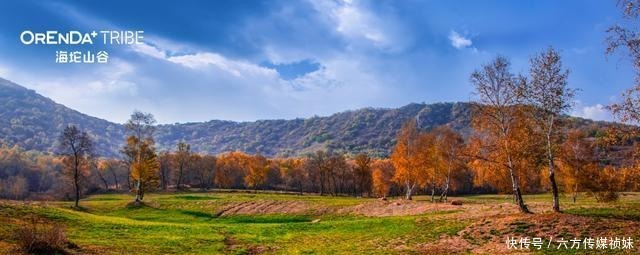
488 233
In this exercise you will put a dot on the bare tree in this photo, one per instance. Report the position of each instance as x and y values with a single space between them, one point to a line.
204 167
317 164
101 167
182 161
499 95
165 159
76 147
114 165
362 174
141 125
625 35
548 92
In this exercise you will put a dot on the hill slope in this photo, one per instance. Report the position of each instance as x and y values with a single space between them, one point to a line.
34 122
365 130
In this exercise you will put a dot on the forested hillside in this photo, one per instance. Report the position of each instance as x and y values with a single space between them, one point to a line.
33 122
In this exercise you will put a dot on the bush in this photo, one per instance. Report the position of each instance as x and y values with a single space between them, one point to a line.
606 196
42 238
456 202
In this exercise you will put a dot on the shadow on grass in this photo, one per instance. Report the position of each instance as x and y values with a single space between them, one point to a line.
611 213
80 208
193 197
197 214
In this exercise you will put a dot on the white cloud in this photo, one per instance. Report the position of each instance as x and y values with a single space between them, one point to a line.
594 112
458 41
354 21
239 89
149 50
106 91
204 60
235 67
112 79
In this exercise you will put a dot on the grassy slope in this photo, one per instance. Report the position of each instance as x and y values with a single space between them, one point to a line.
186 224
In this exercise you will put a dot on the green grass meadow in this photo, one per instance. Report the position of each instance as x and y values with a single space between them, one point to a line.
186 223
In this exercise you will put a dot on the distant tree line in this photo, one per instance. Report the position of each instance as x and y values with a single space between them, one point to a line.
436 162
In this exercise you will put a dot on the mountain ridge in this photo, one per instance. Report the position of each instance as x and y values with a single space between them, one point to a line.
33 122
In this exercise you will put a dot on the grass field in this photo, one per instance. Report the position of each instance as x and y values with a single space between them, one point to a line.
242 223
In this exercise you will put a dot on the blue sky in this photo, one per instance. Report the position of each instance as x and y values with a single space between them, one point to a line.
248 60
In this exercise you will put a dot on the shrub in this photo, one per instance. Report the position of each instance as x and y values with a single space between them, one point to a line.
42 238
606 196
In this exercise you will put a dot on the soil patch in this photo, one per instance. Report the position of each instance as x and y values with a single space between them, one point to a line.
263 207
381 208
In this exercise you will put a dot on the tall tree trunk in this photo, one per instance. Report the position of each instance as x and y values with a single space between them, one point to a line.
115 178
321 182
129 179
552 174
104 180
445 190
433 192
334 190
203 183
76 176
362 185
517 193
409 194
163 179
300 187
575 191
138 191
554 190
516 188
179 182
76 185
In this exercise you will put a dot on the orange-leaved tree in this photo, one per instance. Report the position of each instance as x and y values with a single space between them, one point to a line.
383 172
406 159
498 94
144 170
140 153
576 158
257 168
450 151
